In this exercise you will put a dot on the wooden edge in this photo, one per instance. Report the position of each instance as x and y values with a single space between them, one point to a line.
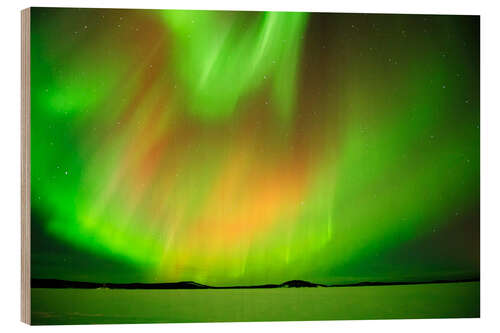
25 168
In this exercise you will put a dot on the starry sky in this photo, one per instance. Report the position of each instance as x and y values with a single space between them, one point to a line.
233 148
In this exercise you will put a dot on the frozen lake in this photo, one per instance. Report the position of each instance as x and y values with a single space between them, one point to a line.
104 306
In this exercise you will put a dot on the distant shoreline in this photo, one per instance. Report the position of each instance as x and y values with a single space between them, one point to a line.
64 284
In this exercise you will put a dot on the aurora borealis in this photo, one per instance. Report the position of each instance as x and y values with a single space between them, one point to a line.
235 148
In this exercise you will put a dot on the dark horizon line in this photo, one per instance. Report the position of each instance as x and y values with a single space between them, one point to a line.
65 284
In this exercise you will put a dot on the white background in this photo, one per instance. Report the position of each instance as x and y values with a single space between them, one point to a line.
490 168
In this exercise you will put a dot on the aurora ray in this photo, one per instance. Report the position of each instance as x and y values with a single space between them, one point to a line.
243 148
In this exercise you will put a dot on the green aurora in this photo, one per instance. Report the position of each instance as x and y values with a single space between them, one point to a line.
234 148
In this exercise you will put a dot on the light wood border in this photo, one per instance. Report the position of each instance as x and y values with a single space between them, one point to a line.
25 168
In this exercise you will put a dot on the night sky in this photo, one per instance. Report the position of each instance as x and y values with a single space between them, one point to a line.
233 148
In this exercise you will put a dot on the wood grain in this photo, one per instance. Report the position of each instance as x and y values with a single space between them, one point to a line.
25 168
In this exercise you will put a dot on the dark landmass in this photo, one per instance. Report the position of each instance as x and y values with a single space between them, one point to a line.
55 283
